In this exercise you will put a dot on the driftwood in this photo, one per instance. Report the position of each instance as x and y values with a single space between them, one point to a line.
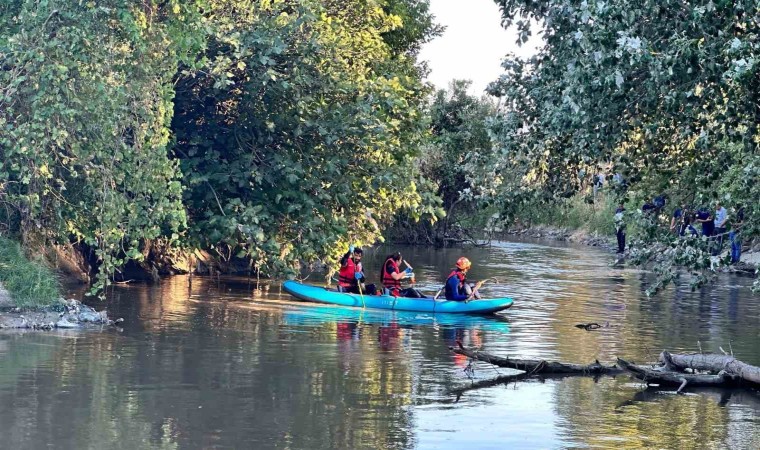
722 370
538 366
726 364
660 375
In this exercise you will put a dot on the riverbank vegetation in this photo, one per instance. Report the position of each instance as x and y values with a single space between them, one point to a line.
273 134
662 94
30 283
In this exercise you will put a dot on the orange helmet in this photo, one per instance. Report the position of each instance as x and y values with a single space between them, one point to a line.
464 263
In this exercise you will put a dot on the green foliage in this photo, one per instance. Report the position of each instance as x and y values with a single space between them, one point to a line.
30 283
663 92
295 124
297 136
85 105
575 213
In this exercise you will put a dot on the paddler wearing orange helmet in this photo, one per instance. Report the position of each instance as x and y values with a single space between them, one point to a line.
457 288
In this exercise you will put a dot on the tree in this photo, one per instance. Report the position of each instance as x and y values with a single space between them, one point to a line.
85 106
297 138
659 89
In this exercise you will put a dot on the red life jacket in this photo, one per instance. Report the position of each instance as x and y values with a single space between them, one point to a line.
347 274
459 274
388 280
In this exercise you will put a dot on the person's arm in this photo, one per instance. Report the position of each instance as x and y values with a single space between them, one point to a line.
452 285
395 275
344 259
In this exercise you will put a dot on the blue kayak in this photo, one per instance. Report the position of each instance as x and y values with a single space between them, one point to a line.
324 295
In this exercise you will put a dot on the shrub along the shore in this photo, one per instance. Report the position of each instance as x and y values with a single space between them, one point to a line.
30 283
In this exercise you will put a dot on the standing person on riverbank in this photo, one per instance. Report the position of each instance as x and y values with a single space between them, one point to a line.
706 219
351 275
721 218
734 235
620 227
677 220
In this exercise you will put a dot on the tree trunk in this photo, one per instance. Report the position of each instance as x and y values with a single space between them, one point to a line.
712 363
664 376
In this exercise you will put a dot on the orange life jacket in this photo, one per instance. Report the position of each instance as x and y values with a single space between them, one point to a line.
347 274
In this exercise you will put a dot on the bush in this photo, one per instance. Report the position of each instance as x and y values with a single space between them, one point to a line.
30 283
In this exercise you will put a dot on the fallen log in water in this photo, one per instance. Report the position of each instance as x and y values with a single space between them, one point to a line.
722 370
538 366
660 375
712 363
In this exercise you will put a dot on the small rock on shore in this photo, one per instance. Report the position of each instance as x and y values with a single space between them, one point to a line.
66 314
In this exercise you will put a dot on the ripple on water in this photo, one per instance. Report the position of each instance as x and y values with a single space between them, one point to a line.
233 364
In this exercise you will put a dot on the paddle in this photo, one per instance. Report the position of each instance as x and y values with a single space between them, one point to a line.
478 285
359 285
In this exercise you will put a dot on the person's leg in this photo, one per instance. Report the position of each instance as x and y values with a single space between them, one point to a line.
351 290
370 289
736 247
468 290
619 235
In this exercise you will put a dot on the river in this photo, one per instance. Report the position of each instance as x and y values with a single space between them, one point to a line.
208 363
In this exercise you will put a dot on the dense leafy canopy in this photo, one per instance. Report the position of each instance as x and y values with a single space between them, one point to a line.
276 130
299 136
85 105
666 93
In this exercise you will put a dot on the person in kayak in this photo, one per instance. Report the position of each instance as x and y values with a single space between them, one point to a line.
351 274
457 288
392 275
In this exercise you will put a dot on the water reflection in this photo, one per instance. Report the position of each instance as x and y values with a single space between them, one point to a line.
231 363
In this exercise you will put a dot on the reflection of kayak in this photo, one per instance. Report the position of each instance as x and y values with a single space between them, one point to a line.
326 314
324 295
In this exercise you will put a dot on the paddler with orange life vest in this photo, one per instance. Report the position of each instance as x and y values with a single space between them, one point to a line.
457 288
351 274
392 275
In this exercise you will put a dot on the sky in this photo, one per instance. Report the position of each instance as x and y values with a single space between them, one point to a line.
473 45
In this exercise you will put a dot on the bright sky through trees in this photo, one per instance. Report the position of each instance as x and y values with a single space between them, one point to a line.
473 44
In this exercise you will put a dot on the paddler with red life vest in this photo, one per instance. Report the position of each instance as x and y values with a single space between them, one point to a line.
392 275
351 274
457 288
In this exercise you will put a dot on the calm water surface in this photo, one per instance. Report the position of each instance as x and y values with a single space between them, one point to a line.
223 364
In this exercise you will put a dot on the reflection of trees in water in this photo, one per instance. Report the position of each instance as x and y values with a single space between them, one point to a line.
207 375
592 413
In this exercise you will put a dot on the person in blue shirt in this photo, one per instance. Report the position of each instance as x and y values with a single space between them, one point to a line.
457 288
676 221
705 218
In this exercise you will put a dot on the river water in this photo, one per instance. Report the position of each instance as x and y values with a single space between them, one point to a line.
207 363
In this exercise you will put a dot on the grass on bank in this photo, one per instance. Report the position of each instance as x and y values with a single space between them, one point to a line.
30 283
575 213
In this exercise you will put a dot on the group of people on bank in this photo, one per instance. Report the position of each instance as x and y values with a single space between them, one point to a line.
351 278
715 224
